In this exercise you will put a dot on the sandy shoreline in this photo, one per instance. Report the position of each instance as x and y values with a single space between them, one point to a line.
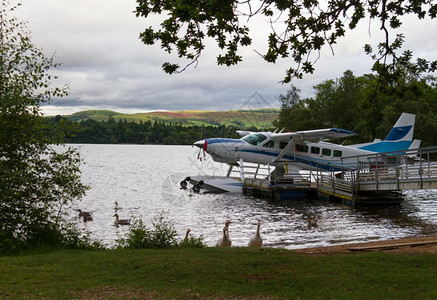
421 248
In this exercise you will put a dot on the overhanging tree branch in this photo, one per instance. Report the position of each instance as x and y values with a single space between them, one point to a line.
298 28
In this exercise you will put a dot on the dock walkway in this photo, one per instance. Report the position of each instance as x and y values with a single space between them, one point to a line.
380 183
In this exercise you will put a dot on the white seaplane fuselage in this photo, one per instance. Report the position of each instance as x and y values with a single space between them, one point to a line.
321 154
308 149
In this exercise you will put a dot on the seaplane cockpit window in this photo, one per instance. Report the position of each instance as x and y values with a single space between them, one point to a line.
282 145
338 153
326 152
269 144
254 139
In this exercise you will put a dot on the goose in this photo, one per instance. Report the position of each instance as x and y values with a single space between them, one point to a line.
227 227
225 241
117 207
87 218
120 221
227 223
186 236
256 240
83 213
312 221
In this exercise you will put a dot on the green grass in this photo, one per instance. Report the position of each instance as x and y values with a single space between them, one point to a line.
217 273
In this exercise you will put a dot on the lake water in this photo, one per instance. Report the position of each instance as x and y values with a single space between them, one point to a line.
144 180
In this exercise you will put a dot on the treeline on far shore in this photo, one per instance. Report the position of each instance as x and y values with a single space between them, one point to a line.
118 132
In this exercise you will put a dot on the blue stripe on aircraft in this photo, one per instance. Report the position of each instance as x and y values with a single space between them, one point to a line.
222 140
387 146
235 184
256 151
397 133
338 130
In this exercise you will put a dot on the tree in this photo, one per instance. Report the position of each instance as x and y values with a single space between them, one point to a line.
336 101
294 114
351 103
299 29
38 178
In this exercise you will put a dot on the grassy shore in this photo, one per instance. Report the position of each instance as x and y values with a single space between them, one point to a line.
217 273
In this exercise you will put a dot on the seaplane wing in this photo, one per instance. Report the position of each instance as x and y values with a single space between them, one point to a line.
313 136
243 133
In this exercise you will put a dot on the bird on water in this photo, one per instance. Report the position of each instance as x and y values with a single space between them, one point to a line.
312 221
83 213
119 221
87 218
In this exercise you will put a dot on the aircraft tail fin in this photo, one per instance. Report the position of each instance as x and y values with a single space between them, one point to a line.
399 138
403 129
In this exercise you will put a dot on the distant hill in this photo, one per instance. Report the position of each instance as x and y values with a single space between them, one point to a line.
259 118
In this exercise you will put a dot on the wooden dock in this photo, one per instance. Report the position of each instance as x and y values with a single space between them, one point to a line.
363 186
282 189
391 246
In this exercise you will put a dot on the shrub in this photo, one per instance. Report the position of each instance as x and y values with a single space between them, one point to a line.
163 235
193 242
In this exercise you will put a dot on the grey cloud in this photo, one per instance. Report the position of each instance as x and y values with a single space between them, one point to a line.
106 65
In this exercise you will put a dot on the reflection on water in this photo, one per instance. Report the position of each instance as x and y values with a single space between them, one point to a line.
144 180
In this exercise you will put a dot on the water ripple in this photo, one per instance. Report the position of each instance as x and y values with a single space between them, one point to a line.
144 180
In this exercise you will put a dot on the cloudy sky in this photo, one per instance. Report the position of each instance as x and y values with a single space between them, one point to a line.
107 66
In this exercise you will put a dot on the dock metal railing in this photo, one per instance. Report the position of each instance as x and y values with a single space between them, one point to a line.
394 170
379 172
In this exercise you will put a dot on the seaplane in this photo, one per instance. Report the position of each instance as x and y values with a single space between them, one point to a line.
303 150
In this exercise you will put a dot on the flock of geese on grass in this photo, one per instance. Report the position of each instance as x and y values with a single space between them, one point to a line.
224 241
